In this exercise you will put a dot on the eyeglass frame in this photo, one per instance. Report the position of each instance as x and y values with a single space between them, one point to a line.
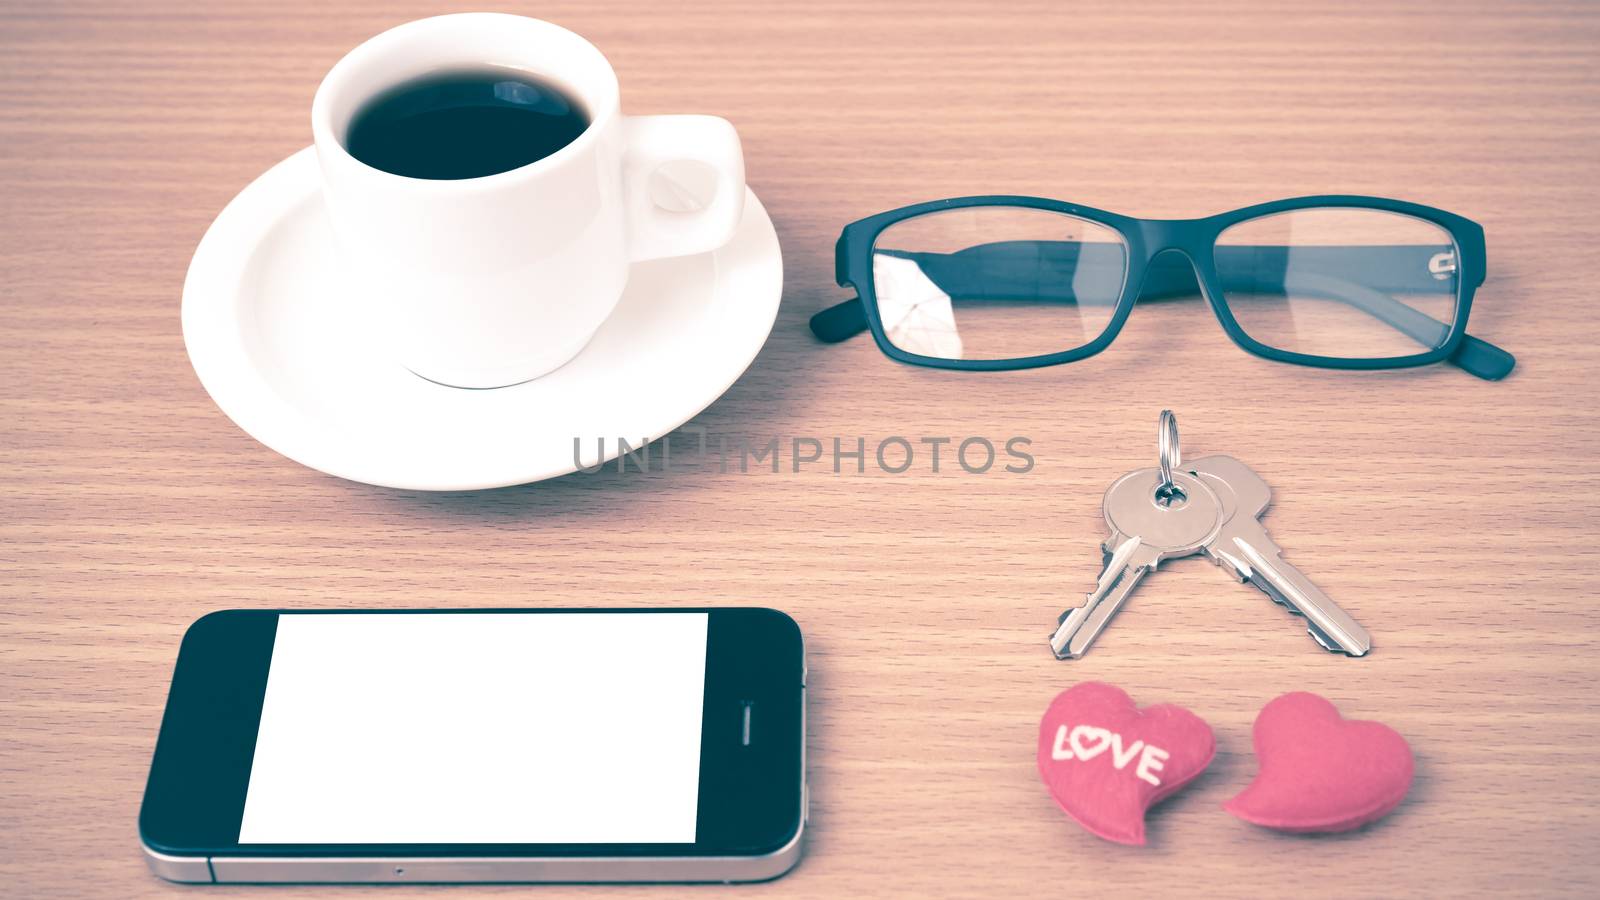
1147 239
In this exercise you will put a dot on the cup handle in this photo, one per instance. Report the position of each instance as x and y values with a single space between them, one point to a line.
676 207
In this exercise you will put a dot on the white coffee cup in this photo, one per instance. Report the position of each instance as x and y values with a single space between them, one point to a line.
491 281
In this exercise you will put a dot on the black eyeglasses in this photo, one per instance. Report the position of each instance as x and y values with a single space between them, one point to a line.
989 283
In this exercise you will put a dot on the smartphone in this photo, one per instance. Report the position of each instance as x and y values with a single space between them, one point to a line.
511 745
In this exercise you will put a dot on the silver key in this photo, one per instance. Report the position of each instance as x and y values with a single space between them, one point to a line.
1148 526
1243 547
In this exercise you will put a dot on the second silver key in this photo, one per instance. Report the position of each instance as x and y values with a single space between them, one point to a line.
1243 546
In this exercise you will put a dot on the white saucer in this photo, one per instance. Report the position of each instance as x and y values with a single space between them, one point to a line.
271 324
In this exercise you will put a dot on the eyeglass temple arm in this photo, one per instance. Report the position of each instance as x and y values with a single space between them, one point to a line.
981 272
1476 356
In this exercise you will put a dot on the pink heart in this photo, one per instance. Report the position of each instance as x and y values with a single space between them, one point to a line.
1106 761
1320 772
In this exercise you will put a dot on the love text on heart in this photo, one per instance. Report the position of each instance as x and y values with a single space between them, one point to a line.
1085 742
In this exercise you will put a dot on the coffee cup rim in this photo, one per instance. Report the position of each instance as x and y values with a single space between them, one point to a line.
601 100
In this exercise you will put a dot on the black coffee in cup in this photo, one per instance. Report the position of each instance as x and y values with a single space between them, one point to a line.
465 124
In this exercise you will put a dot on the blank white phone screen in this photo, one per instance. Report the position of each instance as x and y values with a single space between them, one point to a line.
480 728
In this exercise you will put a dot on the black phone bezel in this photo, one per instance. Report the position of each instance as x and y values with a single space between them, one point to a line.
751 796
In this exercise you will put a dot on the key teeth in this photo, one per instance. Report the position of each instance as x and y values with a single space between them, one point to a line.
1327 643
1232 569
1266 587
1323 639
1330 645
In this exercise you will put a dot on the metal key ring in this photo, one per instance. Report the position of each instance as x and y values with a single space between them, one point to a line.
1171 455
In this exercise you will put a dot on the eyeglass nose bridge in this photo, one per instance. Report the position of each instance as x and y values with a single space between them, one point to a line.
1162 235
1173 265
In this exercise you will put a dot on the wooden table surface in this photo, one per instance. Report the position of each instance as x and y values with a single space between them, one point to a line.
1454 517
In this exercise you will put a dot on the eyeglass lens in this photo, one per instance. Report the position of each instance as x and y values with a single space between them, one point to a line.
996 282
1341 282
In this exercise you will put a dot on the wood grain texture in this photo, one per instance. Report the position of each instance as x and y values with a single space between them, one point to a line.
1455 518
